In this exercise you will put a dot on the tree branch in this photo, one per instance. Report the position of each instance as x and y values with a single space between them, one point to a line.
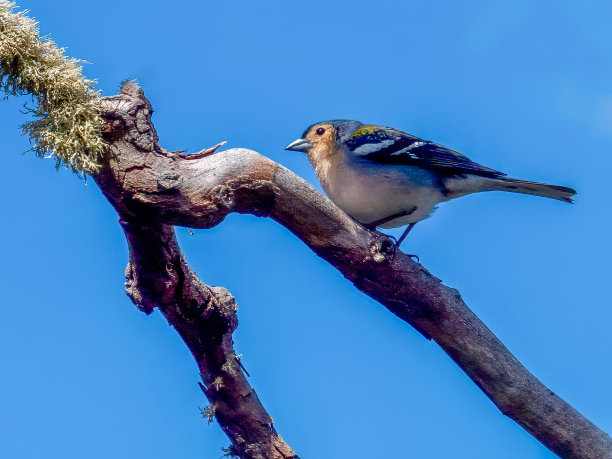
205 318
152 189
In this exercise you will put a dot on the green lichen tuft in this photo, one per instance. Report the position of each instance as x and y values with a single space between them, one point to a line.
67 107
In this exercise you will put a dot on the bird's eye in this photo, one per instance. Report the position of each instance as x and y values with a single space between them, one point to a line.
320 131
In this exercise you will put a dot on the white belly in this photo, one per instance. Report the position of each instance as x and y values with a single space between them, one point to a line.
370 193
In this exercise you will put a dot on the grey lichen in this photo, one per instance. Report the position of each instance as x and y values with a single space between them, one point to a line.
230 451
67 107
208 413
218 383
228 366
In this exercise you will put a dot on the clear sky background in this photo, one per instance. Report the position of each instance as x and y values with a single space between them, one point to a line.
521 86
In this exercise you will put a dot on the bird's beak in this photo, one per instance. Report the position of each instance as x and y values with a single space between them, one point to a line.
299 145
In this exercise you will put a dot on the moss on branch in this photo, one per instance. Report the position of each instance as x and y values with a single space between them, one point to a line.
67 122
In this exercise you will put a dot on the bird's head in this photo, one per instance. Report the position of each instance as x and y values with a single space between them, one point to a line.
324 137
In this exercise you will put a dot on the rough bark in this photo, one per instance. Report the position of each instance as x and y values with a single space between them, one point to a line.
153 189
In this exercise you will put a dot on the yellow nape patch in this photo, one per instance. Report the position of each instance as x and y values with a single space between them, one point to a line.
363 130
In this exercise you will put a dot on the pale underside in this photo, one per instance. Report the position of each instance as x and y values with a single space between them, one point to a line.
370 192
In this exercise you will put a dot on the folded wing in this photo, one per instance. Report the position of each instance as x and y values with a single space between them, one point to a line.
390 146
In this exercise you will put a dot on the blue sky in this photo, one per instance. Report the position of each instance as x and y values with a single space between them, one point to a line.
523 87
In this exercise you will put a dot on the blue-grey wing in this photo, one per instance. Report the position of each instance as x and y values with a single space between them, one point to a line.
390 146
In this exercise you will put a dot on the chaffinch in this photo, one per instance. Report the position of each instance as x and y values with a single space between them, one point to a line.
386 178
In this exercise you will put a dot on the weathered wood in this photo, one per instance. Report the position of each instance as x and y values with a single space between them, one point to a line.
153 189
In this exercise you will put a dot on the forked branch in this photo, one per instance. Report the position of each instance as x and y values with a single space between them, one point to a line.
153 189
205 318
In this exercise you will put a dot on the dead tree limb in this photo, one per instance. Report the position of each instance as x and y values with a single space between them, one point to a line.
205 318
153 189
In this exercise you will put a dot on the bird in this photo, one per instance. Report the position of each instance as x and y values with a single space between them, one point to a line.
385 178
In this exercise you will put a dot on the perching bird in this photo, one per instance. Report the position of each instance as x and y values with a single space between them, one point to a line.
386 178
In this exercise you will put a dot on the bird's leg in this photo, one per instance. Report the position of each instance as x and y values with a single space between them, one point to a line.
372 227
393 247
404 234
389 243
382 221
402 237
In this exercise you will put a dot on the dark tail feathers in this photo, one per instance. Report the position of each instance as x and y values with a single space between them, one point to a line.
562 193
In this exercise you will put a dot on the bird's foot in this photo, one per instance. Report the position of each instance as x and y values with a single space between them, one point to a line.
388 238
389 244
